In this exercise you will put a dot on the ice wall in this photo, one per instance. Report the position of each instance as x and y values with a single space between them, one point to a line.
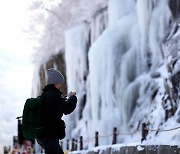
105 59
127 70
117 9
78 41
123 62
76 70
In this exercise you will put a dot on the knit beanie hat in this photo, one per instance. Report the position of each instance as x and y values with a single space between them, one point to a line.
54 76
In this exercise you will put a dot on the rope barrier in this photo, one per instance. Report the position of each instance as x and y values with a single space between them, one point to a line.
128 133
163 129
106 135
91 139
144 129
88 140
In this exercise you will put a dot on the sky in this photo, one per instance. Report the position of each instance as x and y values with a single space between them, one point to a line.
16 68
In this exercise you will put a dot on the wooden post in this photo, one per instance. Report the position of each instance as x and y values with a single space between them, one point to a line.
144 132
76 145
72 147
114 135
81 143
67 145
96 139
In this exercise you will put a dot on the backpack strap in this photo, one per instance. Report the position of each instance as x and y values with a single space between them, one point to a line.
44 94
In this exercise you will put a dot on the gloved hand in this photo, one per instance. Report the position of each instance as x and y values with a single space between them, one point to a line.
71 94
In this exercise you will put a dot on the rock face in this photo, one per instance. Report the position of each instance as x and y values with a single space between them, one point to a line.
58 62
175 8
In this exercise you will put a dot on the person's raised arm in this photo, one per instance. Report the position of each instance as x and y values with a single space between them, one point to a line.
70 104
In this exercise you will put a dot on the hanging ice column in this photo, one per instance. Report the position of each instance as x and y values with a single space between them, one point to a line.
78 40
105 61
158 30
118 59
76 67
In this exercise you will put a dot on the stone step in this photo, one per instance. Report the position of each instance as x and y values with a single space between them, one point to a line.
138 149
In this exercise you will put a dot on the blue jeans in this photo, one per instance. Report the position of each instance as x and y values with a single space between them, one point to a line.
50 145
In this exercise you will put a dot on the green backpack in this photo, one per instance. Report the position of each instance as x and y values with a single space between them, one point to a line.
32 120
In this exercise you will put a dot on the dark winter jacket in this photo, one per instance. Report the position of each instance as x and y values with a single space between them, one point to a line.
54 106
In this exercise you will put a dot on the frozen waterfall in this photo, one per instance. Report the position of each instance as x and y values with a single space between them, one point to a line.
119 64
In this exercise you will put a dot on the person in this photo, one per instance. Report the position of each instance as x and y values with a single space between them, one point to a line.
54 106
